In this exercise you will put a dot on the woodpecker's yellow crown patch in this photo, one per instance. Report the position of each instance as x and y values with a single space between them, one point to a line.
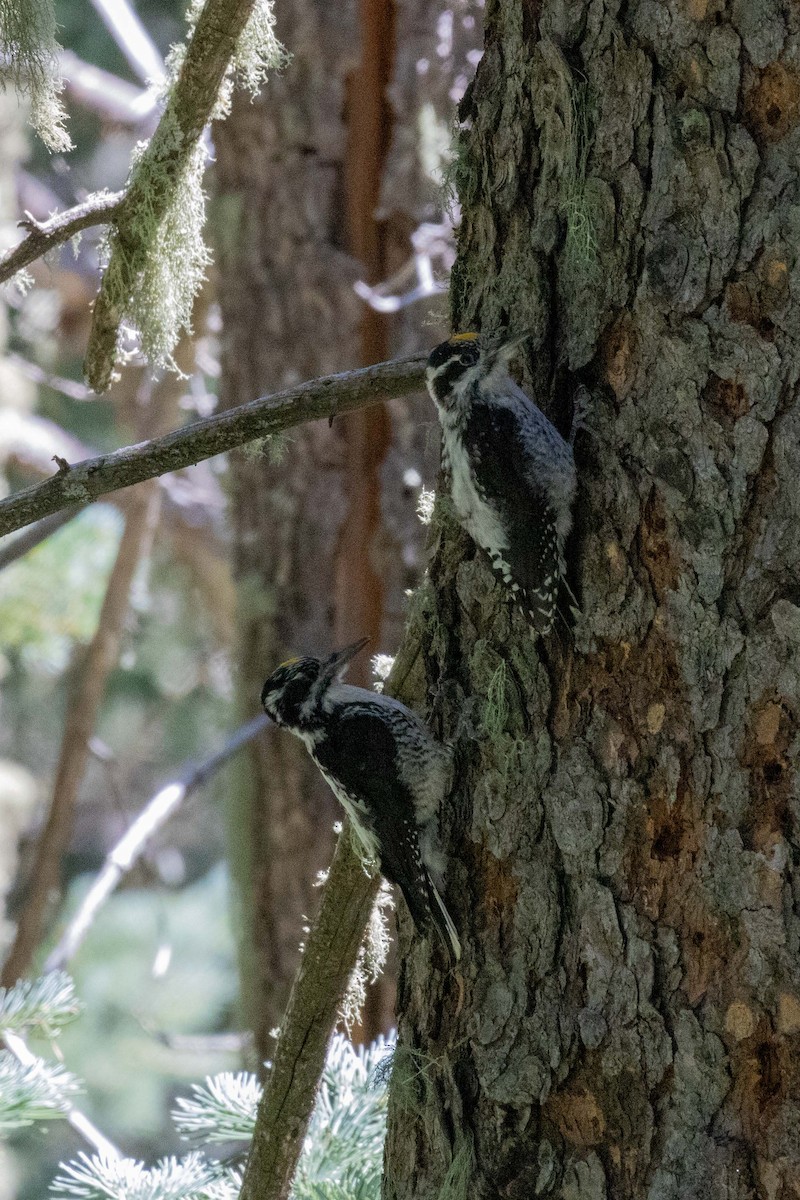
464 337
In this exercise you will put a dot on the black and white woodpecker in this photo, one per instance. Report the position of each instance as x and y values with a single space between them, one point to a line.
385 767
512 475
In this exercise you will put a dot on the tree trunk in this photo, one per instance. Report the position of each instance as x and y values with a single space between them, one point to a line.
289 313
623 833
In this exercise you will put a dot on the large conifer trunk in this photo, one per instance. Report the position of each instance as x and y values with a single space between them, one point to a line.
625 1022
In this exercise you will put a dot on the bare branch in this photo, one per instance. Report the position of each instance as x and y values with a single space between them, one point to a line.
79 1122
189 109
67 387
127 30
268 415
81 719
313 1009
105 93
124 855
44 235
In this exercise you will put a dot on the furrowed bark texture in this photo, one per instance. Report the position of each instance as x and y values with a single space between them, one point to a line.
624 836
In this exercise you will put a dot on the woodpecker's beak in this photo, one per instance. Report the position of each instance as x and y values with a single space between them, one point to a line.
508 346
340 658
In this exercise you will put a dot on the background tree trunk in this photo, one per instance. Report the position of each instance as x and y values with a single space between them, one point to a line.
624 834
289 313
327 539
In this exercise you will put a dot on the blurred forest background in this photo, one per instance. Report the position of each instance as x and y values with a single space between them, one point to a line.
134 637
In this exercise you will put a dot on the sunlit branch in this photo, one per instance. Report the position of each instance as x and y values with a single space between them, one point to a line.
127 30
17 1046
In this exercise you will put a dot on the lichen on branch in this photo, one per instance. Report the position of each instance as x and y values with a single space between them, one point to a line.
28 45
156 254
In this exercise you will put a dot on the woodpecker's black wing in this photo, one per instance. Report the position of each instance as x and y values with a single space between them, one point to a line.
360 751
505 477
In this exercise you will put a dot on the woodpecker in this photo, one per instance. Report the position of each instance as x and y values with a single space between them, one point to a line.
384 766
512 475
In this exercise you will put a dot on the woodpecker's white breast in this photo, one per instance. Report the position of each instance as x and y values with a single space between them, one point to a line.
479 518
359 816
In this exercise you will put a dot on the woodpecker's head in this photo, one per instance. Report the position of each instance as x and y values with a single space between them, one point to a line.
466 359
295 691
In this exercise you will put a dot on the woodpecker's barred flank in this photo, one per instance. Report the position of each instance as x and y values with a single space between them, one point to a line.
384 766
512 475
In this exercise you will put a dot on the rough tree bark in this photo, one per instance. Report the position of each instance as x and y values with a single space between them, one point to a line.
624 834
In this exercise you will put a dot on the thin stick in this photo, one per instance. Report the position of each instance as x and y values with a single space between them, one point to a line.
130 34
79 1122
18 547
44 235
326 397
130 847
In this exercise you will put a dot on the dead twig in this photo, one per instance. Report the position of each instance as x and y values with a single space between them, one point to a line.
99 209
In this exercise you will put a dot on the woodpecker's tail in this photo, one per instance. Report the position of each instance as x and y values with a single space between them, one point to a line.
427 908
443 924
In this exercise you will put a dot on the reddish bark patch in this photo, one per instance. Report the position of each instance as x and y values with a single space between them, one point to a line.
765 753
578 1116
497 888
741 301
772 106
618 355
656 547
663 844
765 1070
744 304
640 688
726 399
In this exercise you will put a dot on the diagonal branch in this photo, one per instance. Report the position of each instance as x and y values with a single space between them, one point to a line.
99 209
263 417
126 27
130 847
17 1046
34 535
314 1003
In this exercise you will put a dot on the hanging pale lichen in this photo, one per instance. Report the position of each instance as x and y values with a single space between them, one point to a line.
157 299
157 258
257 52
30 50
